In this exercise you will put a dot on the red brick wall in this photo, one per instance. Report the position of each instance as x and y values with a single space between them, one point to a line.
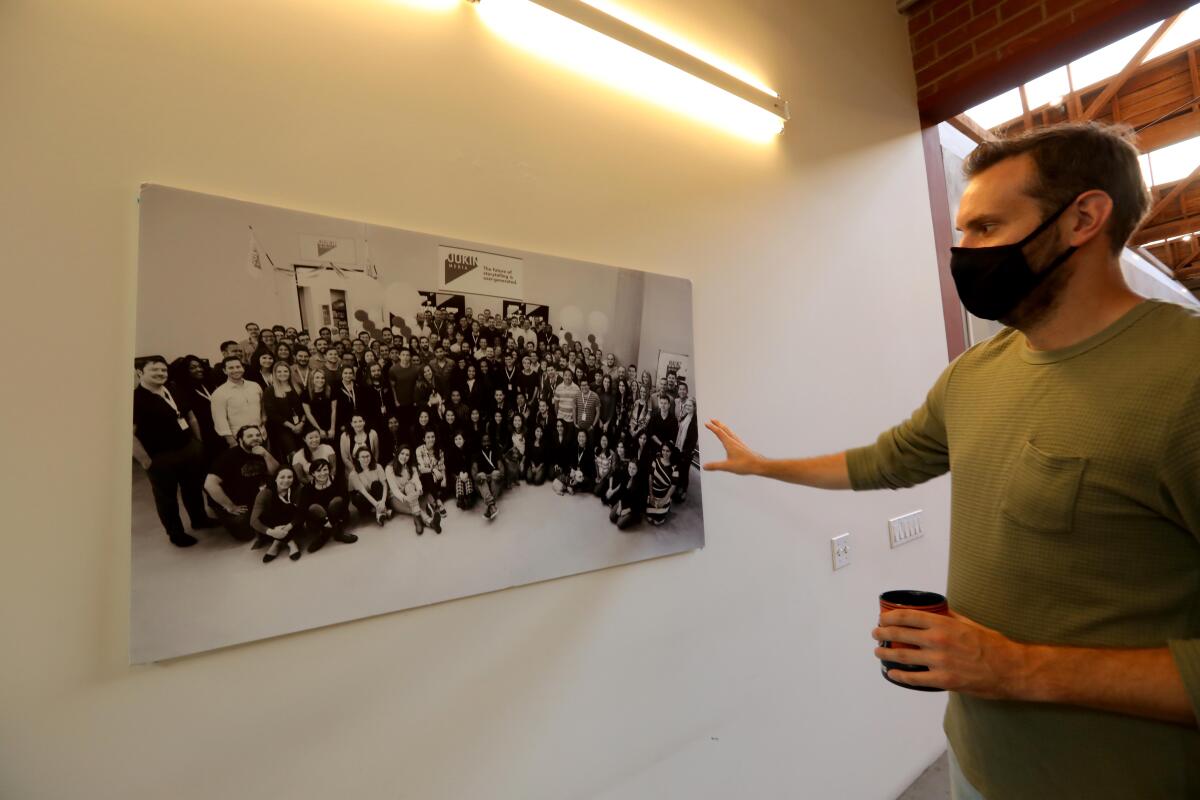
967 51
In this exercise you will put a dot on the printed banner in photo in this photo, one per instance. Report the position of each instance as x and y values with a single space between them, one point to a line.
476 272
337 249
680 364
436 300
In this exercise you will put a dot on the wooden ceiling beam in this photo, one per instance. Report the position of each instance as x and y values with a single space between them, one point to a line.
1167 230
1125 74
1170 196
971 129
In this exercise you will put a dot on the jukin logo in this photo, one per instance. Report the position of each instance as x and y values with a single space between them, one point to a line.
458 265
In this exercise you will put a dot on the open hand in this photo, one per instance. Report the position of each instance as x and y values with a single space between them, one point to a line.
739 459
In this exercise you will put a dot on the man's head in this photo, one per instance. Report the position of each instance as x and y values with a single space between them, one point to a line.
230 348
233 367
1086 173
249 437
268 337
154 372
302 356
405 357
321 345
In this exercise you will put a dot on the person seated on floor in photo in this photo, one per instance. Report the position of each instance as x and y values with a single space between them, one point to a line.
629 502
166 443
311 449
320 406
450 425
357 435
391 439
277 516
406 493
664 476
514 454
580 475
498 429
369 487
284 412
431 463
642 451
326 508
685 445
489 475
235 478
544 418
560 449
521 407
608 489
605 460
459 466
537 458
236 402
424 424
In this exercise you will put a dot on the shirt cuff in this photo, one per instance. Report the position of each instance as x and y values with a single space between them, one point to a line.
1186 653
863 466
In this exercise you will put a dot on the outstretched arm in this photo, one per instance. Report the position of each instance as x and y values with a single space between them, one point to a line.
820 472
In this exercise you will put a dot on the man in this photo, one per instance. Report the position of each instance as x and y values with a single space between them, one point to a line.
250 343
687 433
443 369
612 369
231 348
663 426
236 402
379 401
321 345
461 411
1073 653
358 348
332 368
304 340
403 377
510 375
587 409
681 399
325 332
166 442
235 478
438 326
301 371
566 402
673 385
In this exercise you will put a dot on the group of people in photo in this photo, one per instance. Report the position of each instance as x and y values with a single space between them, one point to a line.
291 432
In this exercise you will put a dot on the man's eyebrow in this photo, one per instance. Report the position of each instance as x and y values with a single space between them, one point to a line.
978 220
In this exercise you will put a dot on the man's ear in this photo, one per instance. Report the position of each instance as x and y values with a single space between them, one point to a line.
1091 212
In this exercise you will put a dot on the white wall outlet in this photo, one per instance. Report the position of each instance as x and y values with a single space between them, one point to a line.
905 528
840 549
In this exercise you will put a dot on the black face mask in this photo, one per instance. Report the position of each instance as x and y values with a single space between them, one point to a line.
992 281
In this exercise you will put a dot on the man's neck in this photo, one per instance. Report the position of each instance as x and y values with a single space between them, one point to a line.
157 388
1091 301
237 381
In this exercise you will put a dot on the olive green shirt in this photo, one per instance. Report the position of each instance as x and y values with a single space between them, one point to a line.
1075 520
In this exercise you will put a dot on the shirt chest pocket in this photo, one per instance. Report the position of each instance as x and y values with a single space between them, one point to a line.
1042 490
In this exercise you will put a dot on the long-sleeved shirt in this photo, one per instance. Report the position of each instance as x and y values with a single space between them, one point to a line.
234 406
1075 521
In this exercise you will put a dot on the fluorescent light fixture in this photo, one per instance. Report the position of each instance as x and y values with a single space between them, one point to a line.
612 47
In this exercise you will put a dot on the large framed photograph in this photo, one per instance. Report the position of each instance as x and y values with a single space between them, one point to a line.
333 420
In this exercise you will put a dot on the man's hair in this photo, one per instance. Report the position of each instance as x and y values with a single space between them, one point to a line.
248 324
241 432
227 343
278 328
225 361
302 349
1071 159
146 361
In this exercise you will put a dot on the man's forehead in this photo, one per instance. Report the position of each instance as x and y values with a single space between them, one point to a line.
1001 189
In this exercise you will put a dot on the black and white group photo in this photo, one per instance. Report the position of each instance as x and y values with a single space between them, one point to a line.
333 420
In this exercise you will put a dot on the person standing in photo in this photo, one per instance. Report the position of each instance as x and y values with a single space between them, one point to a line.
320 407
663 426
234 479
566 402
1072 650
350 400
235 403
686 437
326 508
277 516
284 413
302 372
166 443
639 414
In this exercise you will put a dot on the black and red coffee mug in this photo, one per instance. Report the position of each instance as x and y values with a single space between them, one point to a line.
916 600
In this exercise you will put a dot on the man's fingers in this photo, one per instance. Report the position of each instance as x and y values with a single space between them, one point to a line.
910 618
904 635
915 678
717 466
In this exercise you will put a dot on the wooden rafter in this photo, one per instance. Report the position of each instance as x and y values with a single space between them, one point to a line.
1125 74
1170 196
971 129
1026 116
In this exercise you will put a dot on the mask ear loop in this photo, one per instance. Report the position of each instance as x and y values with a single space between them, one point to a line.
1046 223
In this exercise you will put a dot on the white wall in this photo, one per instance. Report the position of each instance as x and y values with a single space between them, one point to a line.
743 670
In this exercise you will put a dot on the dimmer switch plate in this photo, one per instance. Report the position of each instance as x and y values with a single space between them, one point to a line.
905 528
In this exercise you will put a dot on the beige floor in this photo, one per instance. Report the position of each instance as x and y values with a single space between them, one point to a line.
934 783
219 592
